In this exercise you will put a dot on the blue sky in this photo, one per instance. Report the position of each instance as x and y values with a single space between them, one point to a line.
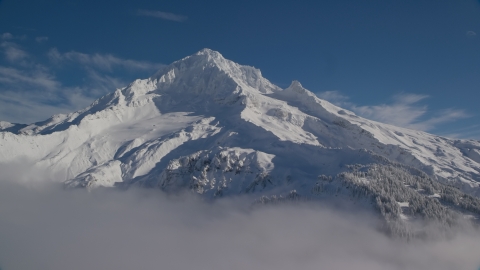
413 63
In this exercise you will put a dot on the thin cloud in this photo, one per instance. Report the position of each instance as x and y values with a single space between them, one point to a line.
404 111
470 132
15 108
12 52
471 33
28 96
104 83
18 105
41 39
31 92
333 96
408 98
36 78
444 116
105 62
162 15
6 36
9 36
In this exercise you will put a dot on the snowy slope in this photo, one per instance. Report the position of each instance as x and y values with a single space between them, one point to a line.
219 128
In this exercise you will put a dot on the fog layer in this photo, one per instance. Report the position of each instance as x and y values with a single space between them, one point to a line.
47 227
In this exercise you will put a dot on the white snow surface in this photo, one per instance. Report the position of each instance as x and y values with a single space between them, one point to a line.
5 125
218 127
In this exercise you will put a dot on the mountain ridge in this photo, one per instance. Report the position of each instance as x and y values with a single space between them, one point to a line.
217 128
141 92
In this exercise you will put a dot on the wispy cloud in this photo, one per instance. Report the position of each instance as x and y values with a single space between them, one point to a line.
10 36
27 96
404 111
30 91
31 94
6 36
17 108
334 96
472 132
104 83
12 52
105 62
41 39
471 33
444 116
162 15
35 78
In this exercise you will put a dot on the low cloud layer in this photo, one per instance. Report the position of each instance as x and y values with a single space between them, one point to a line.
47 227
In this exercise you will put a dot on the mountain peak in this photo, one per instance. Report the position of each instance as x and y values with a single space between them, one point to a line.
209 56
208 71
297 87
209 52
295 84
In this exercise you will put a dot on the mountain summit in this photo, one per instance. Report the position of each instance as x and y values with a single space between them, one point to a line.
217 128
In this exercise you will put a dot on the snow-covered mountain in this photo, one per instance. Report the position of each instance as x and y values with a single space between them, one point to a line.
218 128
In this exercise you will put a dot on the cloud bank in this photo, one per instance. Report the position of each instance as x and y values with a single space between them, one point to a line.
47 227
